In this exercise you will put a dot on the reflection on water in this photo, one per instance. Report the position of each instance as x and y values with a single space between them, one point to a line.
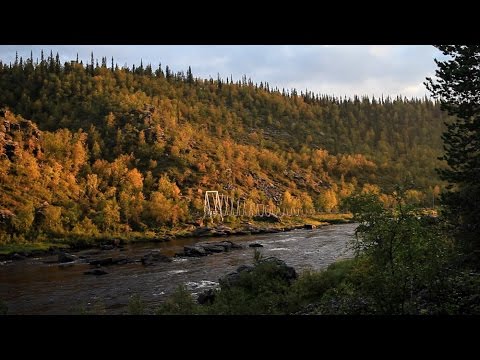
34 287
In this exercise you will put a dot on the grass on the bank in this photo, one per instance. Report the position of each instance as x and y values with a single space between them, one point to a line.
7 249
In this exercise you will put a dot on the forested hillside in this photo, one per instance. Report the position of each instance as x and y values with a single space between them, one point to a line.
94 148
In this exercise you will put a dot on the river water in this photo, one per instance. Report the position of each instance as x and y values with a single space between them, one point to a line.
32 286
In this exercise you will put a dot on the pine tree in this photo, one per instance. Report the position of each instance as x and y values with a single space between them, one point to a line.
92 64
58 66
189 75
168 75
458 89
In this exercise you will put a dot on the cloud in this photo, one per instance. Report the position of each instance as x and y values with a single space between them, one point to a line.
335 69
381 51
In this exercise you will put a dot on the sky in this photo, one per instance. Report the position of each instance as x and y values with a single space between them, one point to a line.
340 70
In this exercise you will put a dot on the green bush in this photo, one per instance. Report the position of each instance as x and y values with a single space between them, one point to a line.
260 291
136 305
180 302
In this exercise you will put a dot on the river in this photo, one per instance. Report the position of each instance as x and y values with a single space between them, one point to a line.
32 286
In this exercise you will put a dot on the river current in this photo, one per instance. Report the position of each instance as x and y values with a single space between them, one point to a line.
35 286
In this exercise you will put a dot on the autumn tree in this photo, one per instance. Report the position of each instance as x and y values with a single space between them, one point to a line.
328 200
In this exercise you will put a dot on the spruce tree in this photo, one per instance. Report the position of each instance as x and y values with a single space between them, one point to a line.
189 75
458 89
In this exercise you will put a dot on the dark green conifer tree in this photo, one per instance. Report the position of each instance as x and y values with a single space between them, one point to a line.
458 88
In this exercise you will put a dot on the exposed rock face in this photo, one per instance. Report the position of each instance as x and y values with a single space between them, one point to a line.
6 217
271 189
9 144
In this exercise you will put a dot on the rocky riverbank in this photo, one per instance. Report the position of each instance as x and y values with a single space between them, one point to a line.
271 224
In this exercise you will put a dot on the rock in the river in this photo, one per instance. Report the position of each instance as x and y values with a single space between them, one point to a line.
285 272
309 226
255 245
224 229
65 265
96 272
202 231
64 257
243 232
90 252
235 246
213 248
121 260
194 251
207 248
17 257
232 278
101 262
246 268
154 256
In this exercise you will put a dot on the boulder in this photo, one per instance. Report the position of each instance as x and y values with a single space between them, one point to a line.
229 280
194 251
242 232
287 272
270 218
224 229
202 231
212 248
64 257
95 272
255 245
101 262
65 265
121 260
246 268
232 278
17 256
154 256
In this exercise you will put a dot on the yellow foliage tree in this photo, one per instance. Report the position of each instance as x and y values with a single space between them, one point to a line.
371 189
328 200
169 189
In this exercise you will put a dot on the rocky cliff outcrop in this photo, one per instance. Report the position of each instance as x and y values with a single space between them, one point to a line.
16 134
